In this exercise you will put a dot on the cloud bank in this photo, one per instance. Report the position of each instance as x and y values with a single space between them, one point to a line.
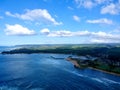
100 21
94 37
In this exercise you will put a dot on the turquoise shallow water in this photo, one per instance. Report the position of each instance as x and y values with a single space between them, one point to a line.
41 72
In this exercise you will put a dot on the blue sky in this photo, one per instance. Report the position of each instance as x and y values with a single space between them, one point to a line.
59 21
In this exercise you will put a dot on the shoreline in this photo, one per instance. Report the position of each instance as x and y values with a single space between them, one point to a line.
104 71
77 65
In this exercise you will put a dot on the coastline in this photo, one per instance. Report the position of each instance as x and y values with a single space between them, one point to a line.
104 71
78 66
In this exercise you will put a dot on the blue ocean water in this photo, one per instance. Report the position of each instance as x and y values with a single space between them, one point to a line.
41 72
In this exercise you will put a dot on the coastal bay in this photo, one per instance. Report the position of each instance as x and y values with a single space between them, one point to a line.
40 71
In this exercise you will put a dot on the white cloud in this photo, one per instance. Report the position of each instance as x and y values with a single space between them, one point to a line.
103 37
112 8
100 34
88 4
104 41
12 15
76 18
98 37
85 3
18 30
45 31
61 33
81 33
41 15
100 21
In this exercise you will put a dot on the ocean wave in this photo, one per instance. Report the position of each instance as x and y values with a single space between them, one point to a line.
74 72
110 81
100 81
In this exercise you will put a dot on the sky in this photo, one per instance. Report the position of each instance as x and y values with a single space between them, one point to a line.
59 22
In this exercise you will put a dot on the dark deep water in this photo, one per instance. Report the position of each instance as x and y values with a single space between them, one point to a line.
41 72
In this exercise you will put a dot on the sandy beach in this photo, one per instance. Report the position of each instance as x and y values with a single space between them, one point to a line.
73 61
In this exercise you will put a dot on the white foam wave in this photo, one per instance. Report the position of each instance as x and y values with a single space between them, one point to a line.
74 72
99 80
110 81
